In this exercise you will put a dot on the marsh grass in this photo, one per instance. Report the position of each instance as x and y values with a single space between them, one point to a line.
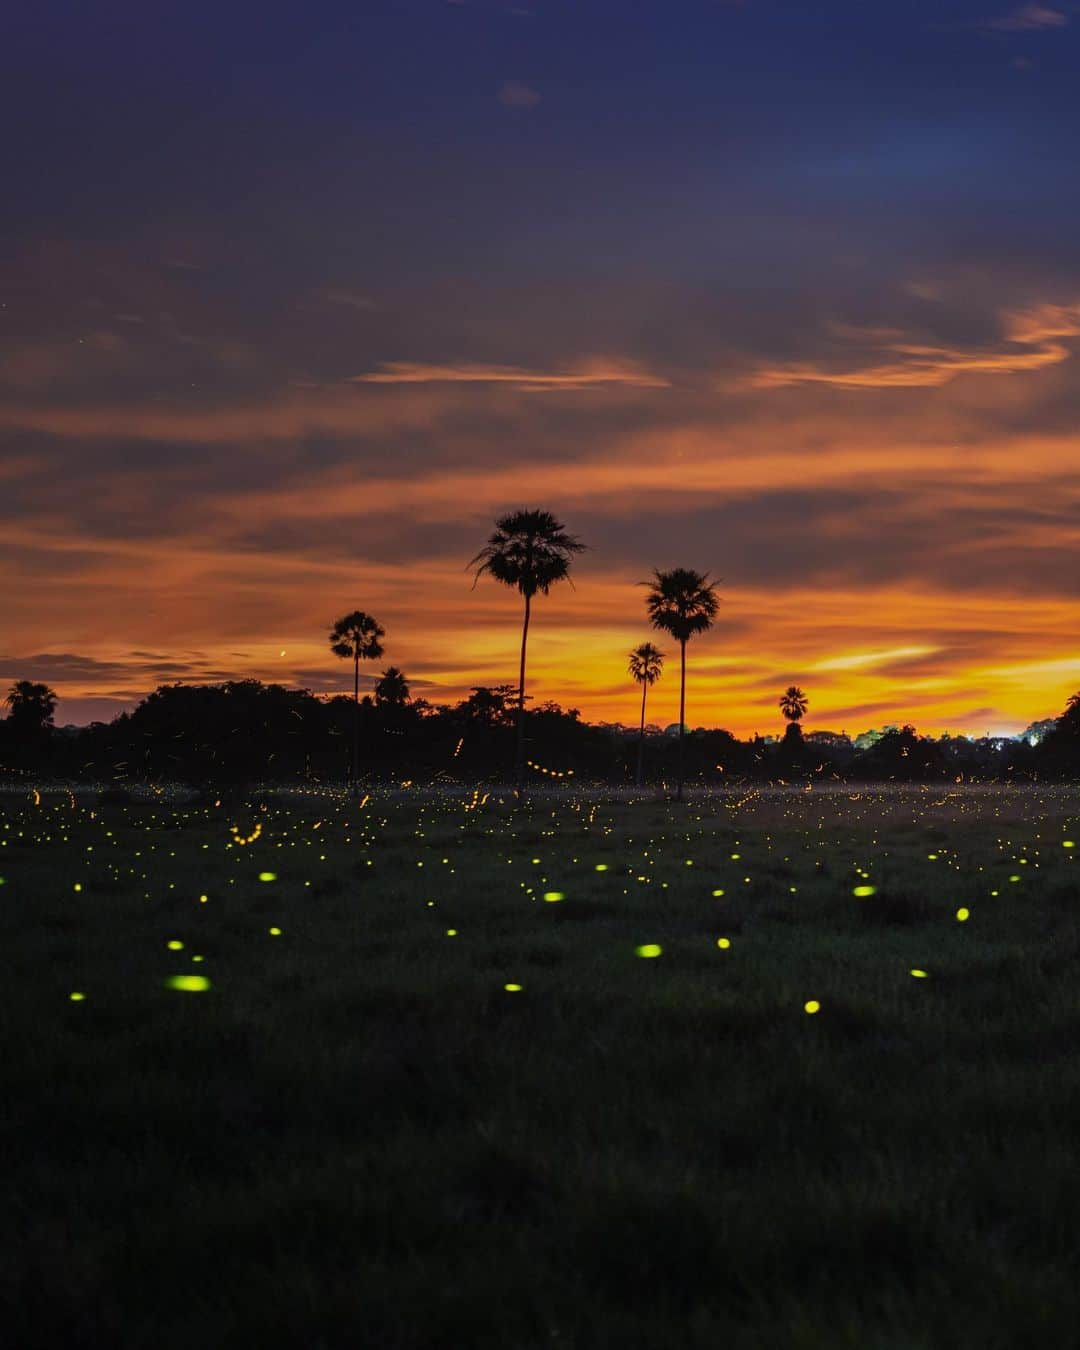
359 1137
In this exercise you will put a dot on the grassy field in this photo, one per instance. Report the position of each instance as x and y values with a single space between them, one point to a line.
466 1075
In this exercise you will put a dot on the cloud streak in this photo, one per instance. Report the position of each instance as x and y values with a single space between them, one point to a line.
1032 341
588 376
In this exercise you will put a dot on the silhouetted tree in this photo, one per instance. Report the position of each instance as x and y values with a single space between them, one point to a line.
793 704
646 666
530 551
31 706
681 602
356 635
492 707
392 688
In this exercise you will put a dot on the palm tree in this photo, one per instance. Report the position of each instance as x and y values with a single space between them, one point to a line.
356 635
530 551
646 666
392 688
793 704
32 705
682 603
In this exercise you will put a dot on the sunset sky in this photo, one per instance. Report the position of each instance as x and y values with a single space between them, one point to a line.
296 298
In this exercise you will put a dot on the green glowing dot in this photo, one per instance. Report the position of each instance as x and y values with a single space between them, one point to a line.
995 892
812 1006
175 946
723 942
192 984
2 881
513 988
919 974
76 997
736 856
601 867
552 896
718 892
1065 843
275 932
268 876
77 886
963 914
932 857
1015 877
203 899
451 932
198 958
649 949
863 891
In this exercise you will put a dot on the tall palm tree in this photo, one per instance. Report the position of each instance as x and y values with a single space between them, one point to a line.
646 666
530 551
681 602
794 703
356 635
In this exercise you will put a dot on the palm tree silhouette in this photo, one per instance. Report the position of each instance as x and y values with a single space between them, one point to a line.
646 666
682 603
530 551
32 705
793 704
392 688
356 635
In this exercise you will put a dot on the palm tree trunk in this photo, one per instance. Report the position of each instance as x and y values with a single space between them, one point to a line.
682 717
641 736
356 723
520 766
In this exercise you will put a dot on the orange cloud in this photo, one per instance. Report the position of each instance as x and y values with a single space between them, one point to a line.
590 374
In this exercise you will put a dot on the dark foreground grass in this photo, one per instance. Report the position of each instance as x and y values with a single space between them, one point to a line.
360 1136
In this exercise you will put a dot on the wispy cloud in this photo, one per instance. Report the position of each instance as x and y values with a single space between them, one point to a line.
870 660
1027 18
1031 341
587 376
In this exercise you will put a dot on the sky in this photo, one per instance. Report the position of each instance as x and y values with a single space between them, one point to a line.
295 299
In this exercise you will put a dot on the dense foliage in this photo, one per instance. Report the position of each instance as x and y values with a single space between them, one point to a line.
244 732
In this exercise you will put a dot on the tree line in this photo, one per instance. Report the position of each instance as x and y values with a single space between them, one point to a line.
247 731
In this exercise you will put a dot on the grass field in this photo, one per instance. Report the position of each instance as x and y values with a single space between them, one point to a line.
365 1133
